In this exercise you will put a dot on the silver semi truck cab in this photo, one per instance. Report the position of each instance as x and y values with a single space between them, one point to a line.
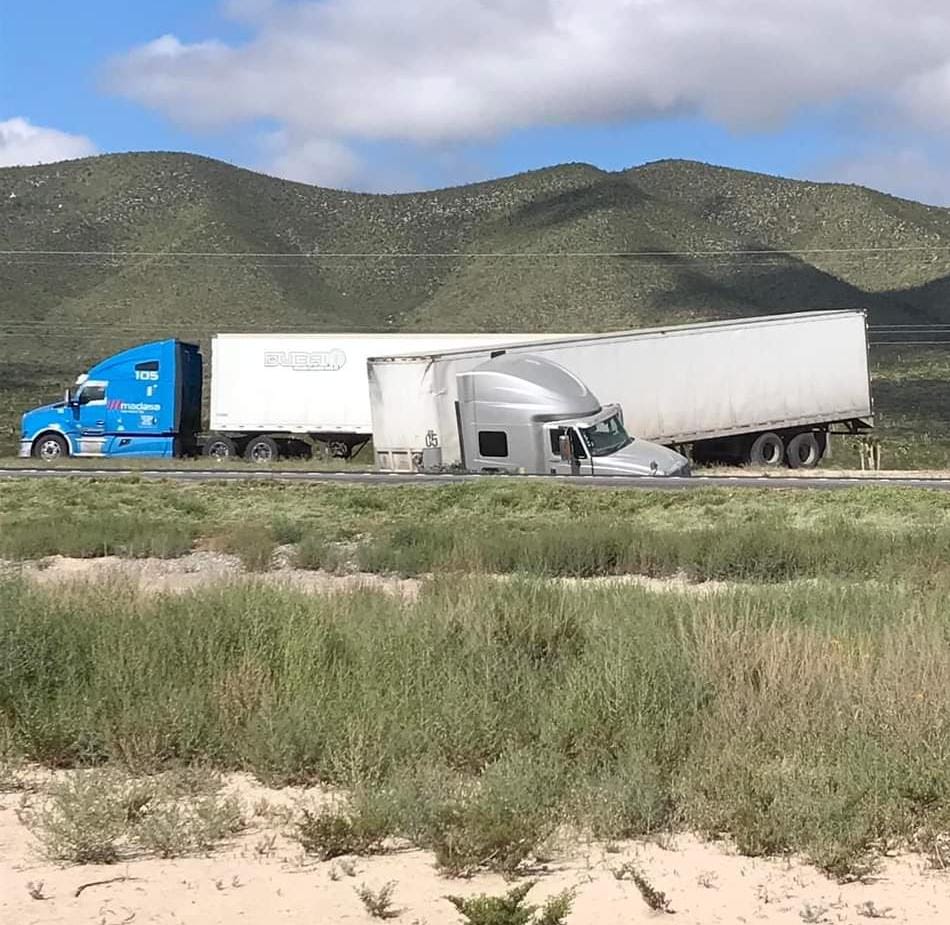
525 414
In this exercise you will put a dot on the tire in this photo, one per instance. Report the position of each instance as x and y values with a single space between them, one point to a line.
805 450
218 446
339 449
50 447
767 449
262 450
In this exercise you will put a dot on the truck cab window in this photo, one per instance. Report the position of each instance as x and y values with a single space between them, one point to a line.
492 444
92 393
606 437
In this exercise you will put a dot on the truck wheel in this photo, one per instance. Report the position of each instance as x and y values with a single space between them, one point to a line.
262 450
339 449
804 451
219 447
50 447
768 449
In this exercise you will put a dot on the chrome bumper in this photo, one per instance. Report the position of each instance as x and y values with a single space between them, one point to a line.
26 448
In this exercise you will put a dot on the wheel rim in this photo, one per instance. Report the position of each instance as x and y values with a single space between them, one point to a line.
771 453
262 452
338 449
807 452
219 450
51 449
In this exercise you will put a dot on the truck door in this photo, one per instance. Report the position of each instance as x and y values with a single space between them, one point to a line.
580 462
92 409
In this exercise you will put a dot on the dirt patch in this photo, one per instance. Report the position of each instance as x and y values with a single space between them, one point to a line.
200 570
205 569
262 876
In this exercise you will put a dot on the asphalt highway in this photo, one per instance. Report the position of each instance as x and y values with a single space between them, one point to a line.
814 482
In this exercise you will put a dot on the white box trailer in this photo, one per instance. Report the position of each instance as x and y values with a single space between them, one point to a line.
765 390
267 389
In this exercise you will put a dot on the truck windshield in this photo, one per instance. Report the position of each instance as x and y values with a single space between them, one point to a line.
606 437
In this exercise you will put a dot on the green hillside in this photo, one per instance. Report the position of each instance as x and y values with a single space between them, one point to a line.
150 236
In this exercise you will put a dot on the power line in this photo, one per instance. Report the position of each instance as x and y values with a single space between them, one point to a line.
491 255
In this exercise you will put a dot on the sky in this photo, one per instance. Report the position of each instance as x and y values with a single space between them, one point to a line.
395 95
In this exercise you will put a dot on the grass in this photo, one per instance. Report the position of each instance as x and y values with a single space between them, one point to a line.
803 710
343 511
531 522
253 545
99 534
484 716
600 546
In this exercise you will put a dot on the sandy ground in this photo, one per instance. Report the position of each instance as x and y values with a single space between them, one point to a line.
198 570
263 877
206 569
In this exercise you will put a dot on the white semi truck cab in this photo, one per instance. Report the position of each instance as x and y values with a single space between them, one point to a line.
514 413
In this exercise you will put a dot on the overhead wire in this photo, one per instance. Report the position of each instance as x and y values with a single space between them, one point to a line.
733 257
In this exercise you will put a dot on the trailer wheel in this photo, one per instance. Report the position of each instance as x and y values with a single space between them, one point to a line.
219 447
262 450
339 449
49 447
767 449
805 451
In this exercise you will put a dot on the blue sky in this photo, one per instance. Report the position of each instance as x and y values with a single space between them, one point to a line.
370 94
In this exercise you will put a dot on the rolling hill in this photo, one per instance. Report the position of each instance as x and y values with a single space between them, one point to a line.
114 250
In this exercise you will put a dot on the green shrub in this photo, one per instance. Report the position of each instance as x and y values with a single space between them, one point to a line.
286 530
99 816
499 821
511 909
316 553
180 827
378 903
333 831
85 819
252 544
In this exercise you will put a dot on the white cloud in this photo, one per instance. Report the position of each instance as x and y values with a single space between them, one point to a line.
322 161
22 143
905 172
436 72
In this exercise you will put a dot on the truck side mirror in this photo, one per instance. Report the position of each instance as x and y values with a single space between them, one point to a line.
565 447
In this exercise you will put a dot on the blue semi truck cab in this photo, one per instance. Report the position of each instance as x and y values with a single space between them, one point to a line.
145 401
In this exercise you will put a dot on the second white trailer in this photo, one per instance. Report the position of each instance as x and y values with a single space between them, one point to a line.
764 390
270 392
